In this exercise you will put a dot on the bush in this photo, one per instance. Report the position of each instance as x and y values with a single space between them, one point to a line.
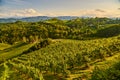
112 73
109 32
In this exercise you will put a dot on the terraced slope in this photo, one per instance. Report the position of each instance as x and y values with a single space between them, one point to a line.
4 46
14 50
65 59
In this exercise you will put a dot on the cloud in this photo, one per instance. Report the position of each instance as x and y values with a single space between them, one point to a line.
22 13
3 15
32 11
26 13
96 13
88 13
99 10
18 0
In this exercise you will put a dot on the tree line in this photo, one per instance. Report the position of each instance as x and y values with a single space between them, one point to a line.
79 28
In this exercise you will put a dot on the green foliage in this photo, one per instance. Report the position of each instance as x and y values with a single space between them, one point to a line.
4 46
109 32
79 28
5 73
65 55
62 56
112 73
41 44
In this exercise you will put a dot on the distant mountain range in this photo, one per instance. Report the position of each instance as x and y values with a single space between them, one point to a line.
34 19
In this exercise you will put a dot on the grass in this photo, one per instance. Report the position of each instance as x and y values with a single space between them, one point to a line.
4 46
14 50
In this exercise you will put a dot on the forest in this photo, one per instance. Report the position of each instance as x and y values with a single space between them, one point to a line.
55 49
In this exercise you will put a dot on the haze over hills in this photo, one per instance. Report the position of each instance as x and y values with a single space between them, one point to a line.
34 19
40 18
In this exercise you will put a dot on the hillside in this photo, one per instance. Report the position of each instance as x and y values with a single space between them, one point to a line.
62 58
54 49
34 19
14 51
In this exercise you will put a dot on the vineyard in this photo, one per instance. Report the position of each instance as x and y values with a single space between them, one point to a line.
3 46
13 51
76 49
60 59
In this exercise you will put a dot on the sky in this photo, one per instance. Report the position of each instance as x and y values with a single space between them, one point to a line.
90 8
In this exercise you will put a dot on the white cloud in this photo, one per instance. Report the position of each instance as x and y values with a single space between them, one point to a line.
25 13
21 13
97 13
99 10
3 15
30 11
17 0
90 13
